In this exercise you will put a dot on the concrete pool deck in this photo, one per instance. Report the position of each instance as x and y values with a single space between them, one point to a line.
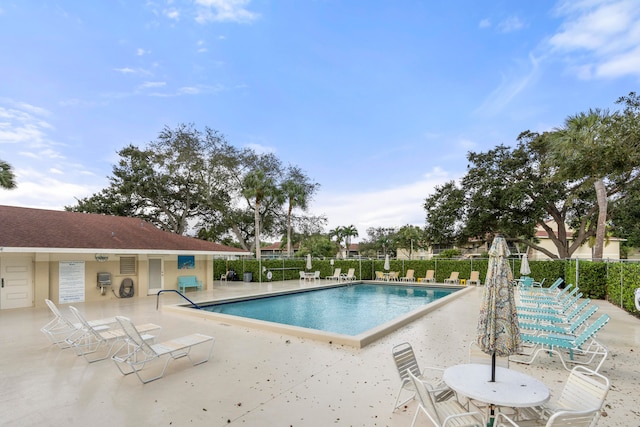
264 378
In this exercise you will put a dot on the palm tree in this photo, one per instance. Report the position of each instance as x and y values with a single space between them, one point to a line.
297 190
348 232
7 178
337 233
258 186
582 152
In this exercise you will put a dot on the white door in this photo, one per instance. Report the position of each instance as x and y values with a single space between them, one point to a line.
16 279
156 276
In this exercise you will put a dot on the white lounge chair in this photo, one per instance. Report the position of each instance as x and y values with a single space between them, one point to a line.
96 344
336 275
474 278
60 328
408 277
430 277
135 353
406 363
350 275
453 278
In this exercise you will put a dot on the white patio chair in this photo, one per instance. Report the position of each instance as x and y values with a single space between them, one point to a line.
579 403
96 344
336 275
474 278
349 275
60 328
408 277
430 277
406 363
136 353
445 412
453 279
559 419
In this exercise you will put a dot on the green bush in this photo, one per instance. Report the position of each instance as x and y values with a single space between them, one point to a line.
614 281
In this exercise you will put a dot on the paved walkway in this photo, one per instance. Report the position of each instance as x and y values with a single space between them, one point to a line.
261 378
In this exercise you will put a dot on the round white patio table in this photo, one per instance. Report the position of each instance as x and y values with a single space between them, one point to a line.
511 388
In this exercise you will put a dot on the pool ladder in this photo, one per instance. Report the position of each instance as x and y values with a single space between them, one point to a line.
177 292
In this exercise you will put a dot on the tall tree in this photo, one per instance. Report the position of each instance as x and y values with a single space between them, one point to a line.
379 240
409 236
601 150
348 232
337 234
444 217
510 191
167 183
582 151
260 188
7 177
298 190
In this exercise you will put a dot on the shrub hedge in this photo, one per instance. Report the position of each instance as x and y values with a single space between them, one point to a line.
614 281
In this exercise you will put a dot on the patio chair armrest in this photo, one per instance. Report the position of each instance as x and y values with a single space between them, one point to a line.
432 368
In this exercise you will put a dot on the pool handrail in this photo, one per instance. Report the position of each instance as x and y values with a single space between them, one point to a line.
177 292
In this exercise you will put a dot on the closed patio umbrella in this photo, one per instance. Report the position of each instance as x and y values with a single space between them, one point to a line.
498 333
309 266
524 266
386 262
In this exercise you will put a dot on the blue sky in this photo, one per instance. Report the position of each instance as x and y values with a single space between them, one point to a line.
378 101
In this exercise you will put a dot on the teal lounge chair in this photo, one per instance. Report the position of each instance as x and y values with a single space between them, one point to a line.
560 328
584 345
559 310
550 299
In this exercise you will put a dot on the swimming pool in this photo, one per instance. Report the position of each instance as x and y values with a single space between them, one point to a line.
348 310
392 306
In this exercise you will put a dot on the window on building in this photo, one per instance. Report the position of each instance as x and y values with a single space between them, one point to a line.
127 265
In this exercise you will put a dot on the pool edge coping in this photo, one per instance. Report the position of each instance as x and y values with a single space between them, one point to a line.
357 341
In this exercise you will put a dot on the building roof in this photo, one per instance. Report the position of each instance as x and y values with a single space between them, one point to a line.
39 230
279 246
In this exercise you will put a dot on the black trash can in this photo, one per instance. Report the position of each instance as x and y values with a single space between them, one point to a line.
248 277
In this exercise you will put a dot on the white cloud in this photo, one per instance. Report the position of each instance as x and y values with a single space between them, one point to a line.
142 52
512 23
172 13
147 85
125 70
620 65
485 23
45 175
260 148
224 11
190 90
511 86
391 207
20 124
42 190
599 38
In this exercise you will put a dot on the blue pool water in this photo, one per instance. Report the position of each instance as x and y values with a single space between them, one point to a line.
348 310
